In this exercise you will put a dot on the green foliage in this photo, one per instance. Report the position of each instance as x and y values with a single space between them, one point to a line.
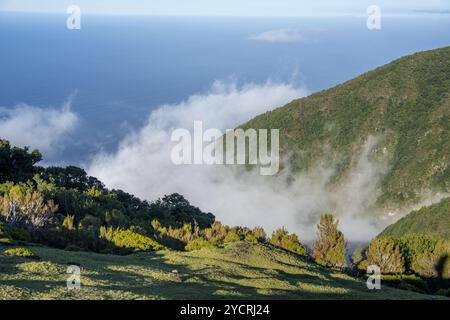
232 237
128 239
414 245
70 178
69 223
435 263
239 271
357 256
21 252
199 244
251 238
331 248
432 220
405 103
17 164
281 238
24 207
9 233
386 254
176 211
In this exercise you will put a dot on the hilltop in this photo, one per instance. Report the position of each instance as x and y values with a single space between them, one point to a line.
404 106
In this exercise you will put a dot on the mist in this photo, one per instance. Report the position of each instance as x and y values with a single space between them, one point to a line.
142 165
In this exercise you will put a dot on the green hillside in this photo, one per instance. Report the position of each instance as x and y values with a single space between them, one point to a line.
404 104
238 271
431 220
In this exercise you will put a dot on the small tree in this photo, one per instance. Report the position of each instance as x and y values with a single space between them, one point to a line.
386 254
26 208
436 263
331 248
281 238
357 256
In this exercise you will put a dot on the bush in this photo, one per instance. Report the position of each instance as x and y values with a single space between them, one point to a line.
22 252
251 238
232 237
415 245
434 264
331 248
129 239
357 256
24 207
8 234
281 238
199 244
216 233
386 254
260 234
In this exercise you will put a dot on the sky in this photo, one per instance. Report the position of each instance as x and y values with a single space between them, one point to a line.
228 7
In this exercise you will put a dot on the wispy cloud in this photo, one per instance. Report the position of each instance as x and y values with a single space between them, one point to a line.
36 127
142 166
280 36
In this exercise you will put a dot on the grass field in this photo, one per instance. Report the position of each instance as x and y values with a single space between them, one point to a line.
238 271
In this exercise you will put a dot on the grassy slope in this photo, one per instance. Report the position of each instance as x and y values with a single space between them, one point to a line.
405 103
240 270
431 220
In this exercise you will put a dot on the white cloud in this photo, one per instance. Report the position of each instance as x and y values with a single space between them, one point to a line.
41 128
142 166
280 36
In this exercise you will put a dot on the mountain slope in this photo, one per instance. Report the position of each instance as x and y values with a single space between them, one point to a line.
405 105
239 271
431 220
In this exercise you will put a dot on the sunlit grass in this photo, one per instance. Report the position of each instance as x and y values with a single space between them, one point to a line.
238 271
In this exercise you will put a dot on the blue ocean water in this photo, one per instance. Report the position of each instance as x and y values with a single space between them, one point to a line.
119 68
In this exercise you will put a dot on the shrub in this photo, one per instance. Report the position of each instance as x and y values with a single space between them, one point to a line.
281 238
260 234
199 244
251 238
386 254
415 245
216 233
232 237
9 233
331 248
69 222
26 208
129 239
357 256
434 264
21 252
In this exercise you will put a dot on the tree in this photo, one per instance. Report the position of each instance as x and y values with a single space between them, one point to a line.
178 211
386 254
331 248
281 238
24 207
357 256
436 263
17 164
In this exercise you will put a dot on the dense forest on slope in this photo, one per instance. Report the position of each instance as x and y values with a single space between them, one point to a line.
430 220
404 104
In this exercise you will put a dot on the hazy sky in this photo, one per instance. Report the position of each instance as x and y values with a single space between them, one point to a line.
227 7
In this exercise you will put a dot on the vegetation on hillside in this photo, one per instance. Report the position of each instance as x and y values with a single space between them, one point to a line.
405 104
240 270
430 220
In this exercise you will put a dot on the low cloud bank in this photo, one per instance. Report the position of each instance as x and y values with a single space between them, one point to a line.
142 166
36 127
